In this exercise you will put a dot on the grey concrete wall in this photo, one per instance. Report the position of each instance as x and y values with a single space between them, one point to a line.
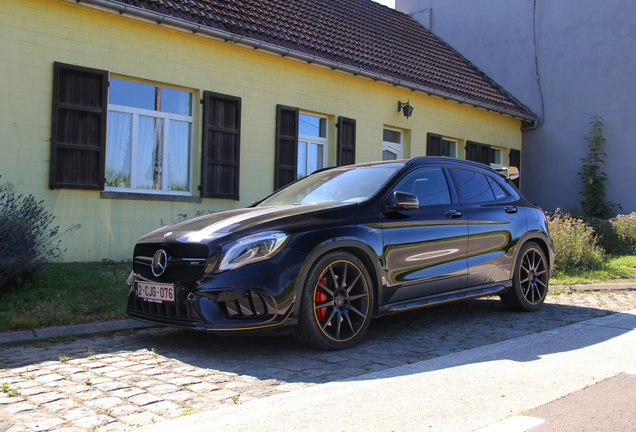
586 53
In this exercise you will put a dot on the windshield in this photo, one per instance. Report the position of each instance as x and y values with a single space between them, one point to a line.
341 185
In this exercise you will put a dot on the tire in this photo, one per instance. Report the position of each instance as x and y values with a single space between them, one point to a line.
336 303
530 280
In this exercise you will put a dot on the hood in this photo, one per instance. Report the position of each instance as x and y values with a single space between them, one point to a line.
222 226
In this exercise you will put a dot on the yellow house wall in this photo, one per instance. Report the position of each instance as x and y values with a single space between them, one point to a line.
36 33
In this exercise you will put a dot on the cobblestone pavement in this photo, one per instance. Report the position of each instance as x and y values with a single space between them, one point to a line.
123 380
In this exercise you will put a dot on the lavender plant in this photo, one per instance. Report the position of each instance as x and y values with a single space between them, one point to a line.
27 239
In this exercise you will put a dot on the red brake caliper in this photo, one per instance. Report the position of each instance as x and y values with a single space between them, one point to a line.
321 297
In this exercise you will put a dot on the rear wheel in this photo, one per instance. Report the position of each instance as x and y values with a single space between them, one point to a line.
530 280
336 303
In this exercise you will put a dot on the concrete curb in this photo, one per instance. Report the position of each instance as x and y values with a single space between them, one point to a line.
22 337
27 336
596 287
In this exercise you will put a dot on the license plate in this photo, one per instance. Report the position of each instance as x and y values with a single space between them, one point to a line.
155 292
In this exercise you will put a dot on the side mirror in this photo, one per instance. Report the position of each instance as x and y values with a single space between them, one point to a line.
402 201
511 173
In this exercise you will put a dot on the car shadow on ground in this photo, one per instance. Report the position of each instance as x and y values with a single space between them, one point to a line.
391 341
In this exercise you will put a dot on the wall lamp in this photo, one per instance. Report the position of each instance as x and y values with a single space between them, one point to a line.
406 108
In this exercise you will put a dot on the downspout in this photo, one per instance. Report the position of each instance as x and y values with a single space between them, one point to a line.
537 123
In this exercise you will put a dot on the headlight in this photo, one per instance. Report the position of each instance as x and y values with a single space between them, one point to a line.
253 248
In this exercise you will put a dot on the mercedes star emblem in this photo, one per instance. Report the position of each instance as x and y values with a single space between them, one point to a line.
159 262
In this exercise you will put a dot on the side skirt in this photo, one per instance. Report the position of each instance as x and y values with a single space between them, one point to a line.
444 298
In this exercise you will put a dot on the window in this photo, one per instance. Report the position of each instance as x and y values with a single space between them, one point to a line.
449 148
392 144
137 137
475 188
495 157
149 138
428 184
312 144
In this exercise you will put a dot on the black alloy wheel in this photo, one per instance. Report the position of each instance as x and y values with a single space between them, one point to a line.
530 281
336 304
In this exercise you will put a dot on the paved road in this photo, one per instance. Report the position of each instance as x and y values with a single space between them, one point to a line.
606 406
123 380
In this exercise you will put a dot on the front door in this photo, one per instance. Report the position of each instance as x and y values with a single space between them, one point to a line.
425 249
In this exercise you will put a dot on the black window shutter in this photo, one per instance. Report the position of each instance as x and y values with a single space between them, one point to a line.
78 127
484 154
472 151
433 144
478 152
346 141
515 161
286 165
221 146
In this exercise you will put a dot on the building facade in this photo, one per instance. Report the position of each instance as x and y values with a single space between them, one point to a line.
123 117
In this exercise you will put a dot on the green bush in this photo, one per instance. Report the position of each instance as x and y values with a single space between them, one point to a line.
575 243
27 240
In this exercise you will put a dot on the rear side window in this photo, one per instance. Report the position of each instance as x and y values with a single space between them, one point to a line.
472 186
497 189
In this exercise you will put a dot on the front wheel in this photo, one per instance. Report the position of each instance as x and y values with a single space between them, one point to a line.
530 280
336 303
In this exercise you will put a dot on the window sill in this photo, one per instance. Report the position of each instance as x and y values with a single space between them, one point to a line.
149 197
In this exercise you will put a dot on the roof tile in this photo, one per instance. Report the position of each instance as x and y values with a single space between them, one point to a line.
358 33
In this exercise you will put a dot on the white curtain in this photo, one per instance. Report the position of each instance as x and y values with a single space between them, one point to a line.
178 155
149 135
118 145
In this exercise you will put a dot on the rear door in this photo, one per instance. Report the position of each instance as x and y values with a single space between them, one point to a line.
495 224
425 249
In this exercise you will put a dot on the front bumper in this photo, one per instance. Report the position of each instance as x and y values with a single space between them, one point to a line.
257 298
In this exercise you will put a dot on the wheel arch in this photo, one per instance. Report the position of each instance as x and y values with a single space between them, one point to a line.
361 250
542 241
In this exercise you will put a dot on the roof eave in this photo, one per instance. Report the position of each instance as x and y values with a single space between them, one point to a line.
181 24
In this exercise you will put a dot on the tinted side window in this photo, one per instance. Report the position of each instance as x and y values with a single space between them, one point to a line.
428 184
472 186
497 190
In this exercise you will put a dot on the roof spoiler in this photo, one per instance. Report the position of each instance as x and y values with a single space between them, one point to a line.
511 173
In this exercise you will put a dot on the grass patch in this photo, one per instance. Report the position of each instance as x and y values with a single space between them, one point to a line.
614 269
66 294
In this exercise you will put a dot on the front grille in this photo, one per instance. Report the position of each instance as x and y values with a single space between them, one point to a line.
177 309
186 261
246 303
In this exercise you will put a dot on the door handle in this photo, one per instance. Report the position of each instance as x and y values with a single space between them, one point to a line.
453 214
510 209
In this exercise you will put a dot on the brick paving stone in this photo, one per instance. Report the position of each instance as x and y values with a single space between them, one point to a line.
165 409
30 391
88 395
107 402
117 374
61 405
126 393
163 389
93 421
112 385
43 379
122 412
144 399
203 387
180 396
167 376
21 407
184 381
46 397
78 413
45 424
142 418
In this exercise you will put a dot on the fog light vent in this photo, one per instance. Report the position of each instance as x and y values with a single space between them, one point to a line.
246 303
